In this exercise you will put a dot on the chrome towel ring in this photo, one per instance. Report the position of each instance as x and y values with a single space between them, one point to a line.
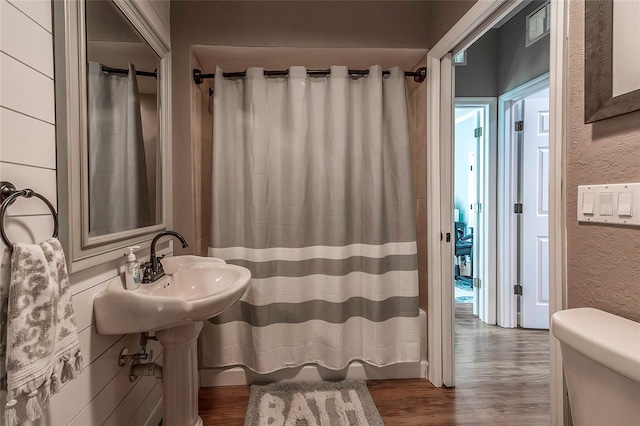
8 194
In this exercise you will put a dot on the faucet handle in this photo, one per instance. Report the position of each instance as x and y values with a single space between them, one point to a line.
160 267
146 272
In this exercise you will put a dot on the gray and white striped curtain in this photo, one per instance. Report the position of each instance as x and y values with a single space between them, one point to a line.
312 192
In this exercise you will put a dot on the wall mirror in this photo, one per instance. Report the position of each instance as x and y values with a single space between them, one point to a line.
612 80
112 115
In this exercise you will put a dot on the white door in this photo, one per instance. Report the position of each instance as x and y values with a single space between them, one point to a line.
472 220
534 241
476 190
473 186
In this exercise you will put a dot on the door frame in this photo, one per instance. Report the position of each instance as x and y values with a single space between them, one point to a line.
440 96
487 221
507 196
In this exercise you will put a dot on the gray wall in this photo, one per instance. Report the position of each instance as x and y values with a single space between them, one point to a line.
480 76
499 61
518 64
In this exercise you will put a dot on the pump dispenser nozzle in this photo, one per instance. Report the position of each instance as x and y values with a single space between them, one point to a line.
130 255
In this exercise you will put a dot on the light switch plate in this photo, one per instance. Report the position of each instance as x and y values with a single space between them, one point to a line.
617 204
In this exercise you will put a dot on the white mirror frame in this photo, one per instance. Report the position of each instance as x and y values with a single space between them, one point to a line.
72 135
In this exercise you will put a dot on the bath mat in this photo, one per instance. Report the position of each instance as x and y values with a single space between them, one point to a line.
343 403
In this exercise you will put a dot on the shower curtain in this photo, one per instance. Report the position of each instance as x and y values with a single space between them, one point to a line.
118 193
312 192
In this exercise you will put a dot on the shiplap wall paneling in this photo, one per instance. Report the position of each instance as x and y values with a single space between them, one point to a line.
37 10
27 141
26 90
135 399
110 397
27 41
148 405
41 180
27 126
103 394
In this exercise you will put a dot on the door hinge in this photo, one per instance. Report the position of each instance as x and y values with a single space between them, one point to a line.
519 126
517 289
517 208
477 132
477 282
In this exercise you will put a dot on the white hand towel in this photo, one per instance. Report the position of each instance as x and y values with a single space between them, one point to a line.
39 347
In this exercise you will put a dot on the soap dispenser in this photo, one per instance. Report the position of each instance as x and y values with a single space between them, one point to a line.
132 270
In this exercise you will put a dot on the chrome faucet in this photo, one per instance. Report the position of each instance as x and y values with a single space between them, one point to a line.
153 269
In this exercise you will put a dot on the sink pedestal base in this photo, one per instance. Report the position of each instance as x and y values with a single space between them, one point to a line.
180 381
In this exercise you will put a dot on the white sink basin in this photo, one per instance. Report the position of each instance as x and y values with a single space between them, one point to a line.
193 289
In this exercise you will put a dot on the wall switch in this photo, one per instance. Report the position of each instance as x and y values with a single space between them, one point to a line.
606 204
625 204
588 200
609 203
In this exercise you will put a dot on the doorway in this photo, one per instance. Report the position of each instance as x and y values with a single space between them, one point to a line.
474 205
524 152
478 19
479 70
469 134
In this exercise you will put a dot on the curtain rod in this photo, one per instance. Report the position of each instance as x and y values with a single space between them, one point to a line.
107 69
198 77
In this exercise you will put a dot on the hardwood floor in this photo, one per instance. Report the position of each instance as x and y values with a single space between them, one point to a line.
502 378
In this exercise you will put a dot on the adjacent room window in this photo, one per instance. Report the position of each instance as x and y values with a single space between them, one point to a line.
460 58
538 24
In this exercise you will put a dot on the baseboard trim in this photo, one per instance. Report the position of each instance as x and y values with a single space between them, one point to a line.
154 417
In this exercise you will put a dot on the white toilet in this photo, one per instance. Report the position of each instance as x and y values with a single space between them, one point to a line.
601 357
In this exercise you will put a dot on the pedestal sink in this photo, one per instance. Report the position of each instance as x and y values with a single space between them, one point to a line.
194 289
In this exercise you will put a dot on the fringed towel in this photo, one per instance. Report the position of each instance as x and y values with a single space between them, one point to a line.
39 347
